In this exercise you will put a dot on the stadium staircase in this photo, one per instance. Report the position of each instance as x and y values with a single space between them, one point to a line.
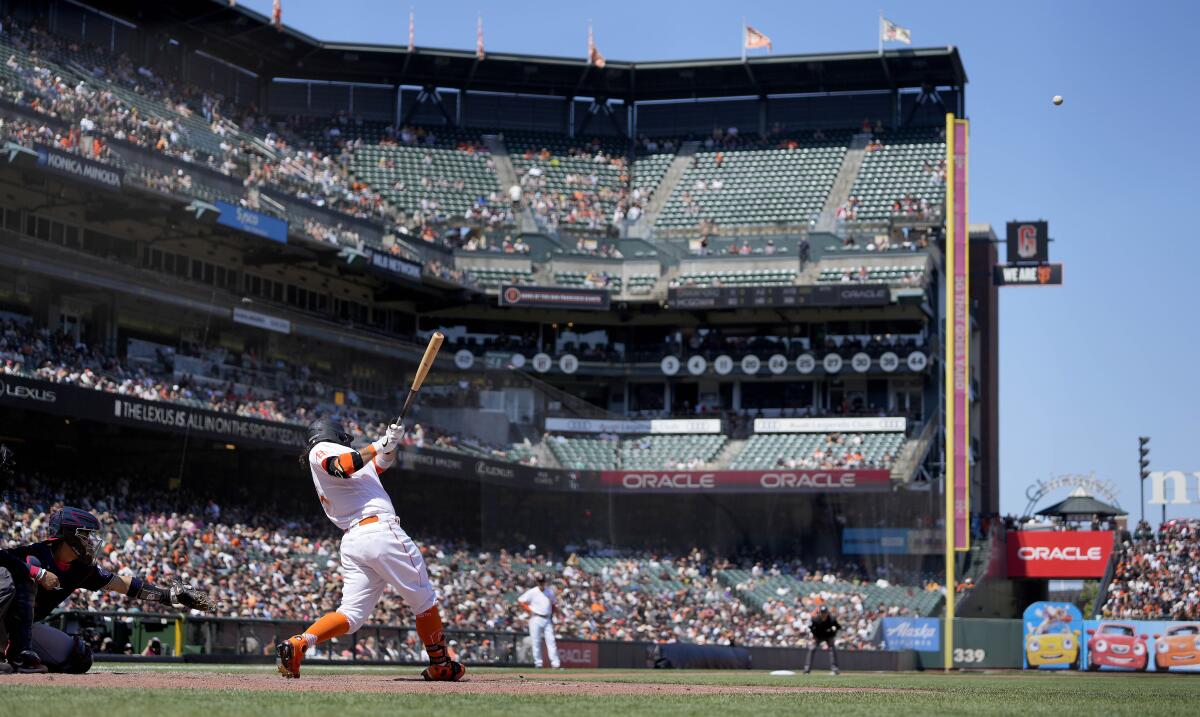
731 449
846 176
507 177
913 454
663 192
545 456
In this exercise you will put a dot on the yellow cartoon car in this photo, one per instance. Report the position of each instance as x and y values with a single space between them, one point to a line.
1179 646
1053 648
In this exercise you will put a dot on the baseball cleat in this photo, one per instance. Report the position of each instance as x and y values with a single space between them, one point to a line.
449 671
290 652
29 663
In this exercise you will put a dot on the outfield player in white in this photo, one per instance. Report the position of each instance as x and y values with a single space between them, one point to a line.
375 550
540 601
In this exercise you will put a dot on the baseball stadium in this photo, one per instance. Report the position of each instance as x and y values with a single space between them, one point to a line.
465 380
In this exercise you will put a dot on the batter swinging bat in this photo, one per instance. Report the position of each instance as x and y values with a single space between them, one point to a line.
431 352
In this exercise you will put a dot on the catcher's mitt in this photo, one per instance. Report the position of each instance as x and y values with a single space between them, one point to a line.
190 597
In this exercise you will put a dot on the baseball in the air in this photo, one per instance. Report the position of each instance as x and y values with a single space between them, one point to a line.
1058 99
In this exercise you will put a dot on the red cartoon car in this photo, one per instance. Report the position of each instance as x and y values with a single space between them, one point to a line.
1117 644
1178 647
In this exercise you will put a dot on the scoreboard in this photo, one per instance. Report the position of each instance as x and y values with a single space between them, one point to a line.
736 297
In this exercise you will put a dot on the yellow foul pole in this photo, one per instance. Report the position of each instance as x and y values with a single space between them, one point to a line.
948 390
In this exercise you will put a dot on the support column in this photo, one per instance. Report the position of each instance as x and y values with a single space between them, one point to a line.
46 310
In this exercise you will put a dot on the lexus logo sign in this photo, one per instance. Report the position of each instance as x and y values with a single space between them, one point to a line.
27 393
1053 554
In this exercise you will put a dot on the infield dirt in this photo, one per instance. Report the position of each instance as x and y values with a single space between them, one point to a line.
508 684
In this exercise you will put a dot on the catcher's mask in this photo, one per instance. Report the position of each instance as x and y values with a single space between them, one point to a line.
78 528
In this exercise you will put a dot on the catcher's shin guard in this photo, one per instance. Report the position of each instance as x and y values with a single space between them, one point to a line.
290 652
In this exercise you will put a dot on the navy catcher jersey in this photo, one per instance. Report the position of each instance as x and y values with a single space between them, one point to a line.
76 575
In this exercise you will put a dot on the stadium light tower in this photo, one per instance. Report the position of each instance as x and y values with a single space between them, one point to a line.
1144 468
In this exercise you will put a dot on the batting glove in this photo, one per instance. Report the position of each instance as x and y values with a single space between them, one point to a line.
387 445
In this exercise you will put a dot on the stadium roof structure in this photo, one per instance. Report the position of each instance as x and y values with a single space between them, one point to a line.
1081 505
248 39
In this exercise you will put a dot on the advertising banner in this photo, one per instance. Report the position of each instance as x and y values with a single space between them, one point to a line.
83 403
1059 554
656 426
1053 636
262 321
543 297
80 168
503 473
1057 637
830 425
1028 241
779 481
912 633
926 542
1032 275
1143 646
252 222
579 654
730 297
392 267
875 541
891 541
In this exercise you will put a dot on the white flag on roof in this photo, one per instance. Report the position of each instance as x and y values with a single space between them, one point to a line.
891 32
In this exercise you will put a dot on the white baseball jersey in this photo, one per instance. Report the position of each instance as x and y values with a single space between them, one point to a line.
348 500
540 602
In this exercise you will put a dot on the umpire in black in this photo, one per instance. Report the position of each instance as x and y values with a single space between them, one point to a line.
824 628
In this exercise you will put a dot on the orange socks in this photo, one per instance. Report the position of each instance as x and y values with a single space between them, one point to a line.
429 628
331 625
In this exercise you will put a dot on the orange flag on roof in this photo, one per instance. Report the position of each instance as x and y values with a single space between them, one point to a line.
755 40
594 56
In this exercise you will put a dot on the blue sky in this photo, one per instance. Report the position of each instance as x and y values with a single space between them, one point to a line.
1085 368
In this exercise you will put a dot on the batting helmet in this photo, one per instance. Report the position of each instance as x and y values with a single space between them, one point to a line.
79 528
327 429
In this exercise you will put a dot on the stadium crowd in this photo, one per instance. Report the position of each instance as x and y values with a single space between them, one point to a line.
256 563
85 94
1157 575
296 397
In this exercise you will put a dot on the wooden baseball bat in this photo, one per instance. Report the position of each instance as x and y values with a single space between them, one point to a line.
431 352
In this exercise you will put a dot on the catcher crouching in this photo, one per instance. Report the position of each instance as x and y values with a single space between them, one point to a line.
36 578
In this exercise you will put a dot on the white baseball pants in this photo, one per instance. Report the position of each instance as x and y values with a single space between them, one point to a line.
375 556
540 627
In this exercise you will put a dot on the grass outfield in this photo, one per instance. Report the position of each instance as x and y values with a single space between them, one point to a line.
596 692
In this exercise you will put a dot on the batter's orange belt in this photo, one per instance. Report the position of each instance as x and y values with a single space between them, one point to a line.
365 521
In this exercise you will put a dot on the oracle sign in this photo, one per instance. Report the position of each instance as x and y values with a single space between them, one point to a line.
1055 554
575 653
772 481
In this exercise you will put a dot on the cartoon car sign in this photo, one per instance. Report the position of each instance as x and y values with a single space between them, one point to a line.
1053 648
1178 646
1115 644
